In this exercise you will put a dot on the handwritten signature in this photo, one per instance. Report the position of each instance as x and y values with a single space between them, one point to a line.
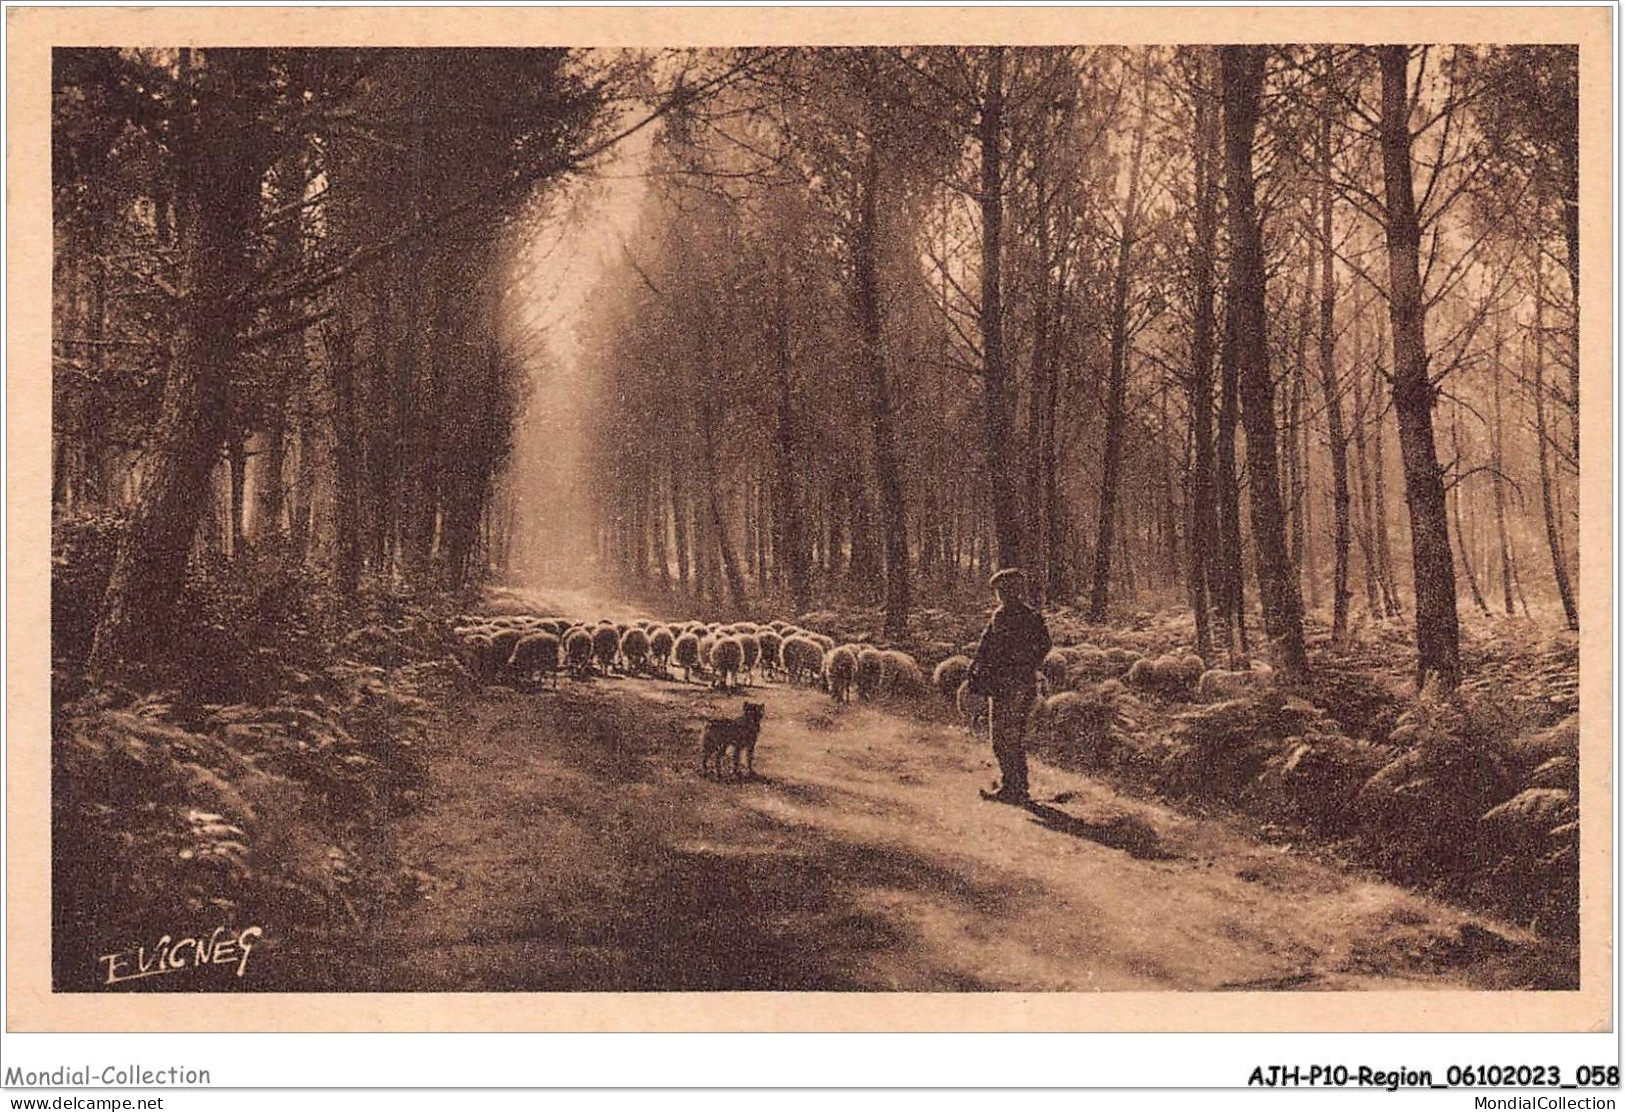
174 955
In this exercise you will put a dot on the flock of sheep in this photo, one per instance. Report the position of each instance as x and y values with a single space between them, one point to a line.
525 649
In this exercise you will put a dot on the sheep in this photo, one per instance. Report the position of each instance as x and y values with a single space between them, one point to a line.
948 675
1054 669
708 641
746 627
578 650
502 643
1171 675
812 670
1218 685
686 649
840 665
479 655
871 670
753 654
770 643
606 644
1087 664
469 636
900 675
812 659
635 648
536 652
727 657
660 646
824 642
802 658
1147 672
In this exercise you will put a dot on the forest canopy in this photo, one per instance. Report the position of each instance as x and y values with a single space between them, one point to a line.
1235 329
1166 325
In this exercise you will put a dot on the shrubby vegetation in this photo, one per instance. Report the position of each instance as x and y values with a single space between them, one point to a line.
249 778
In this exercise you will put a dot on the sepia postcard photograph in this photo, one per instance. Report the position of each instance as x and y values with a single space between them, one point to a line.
810 520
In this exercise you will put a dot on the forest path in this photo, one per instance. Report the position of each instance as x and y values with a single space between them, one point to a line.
569 842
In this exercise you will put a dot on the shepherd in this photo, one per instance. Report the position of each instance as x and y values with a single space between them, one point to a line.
1005 672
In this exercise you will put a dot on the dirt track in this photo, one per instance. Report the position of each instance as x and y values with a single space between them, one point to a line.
569 842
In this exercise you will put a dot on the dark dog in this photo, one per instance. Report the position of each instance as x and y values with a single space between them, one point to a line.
738 734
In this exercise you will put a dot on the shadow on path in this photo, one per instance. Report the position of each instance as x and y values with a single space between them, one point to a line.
1132 836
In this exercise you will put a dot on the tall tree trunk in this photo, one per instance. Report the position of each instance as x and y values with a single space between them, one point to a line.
467 493
1517 582
1379 498
1243 73
1571 238
863 566
639 520
1032 516
704 557
289 375
380 430
1056 539
789 538
1554 541
1170 504
1454 495
1057 572
1365 533
888 469
1498 476
662 543
349 457
1438 636
834 543
1295 462
679 518
996 389
1331 391
1117 380
763 524
1311 561
1035 518
306 474
718 524
220 192
1204 521
1227 553
1131 588
237 484
98 417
